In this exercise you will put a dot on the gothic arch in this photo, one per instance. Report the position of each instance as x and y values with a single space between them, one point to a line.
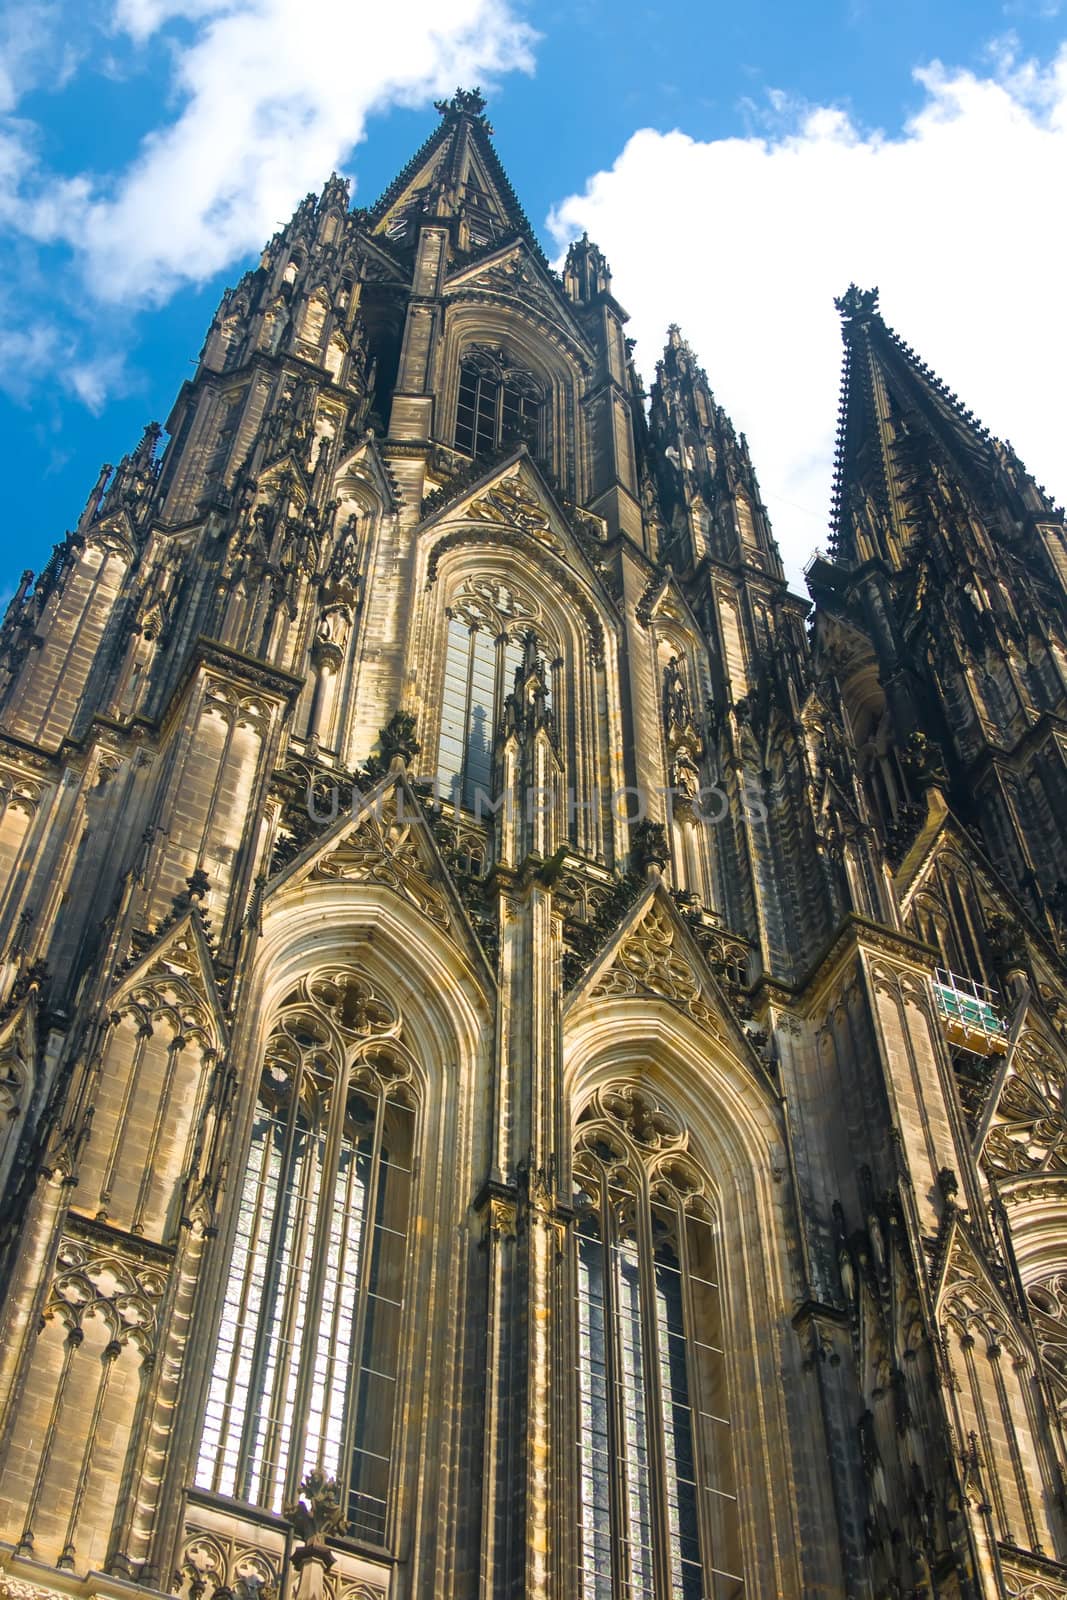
23 802
790 869
474 316
516 590
929 921
94 1348
1024 1159
20 1074
672 638
952 902
1046 1296
446 999
682 680
148 1076
309 1364
733 1135
419 1006
361 501
545 352
315 315
998 1423
1037 1214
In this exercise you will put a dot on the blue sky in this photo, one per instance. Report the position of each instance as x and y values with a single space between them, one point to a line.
738 163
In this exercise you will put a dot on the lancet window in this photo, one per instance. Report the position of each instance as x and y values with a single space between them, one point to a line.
996 1418
306 1369
488 626
658 1516
499 403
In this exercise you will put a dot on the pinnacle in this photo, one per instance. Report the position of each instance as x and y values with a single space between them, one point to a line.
586 272
856 301
678 349
857 307
876 359
337 190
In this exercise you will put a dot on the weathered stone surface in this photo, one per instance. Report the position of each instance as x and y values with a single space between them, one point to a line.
500 1019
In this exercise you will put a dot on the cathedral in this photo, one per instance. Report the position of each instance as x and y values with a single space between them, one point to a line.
533 1059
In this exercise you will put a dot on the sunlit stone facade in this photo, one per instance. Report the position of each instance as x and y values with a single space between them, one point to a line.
533 1059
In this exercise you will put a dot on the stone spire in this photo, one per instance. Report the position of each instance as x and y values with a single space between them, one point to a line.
704 470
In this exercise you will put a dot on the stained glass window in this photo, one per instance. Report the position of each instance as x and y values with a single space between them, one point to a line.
498 404
480 666
306 1364
657 1499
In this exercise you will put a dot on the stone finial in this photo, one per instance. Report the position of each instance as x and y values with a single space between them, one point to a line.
314 1517
924 762
857 305
465 103
648 847
586 273
197 886
397 740
948 1183
318 1512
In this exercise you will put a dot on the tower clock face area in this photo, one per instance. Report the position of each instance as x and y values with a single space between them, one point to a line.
532 1058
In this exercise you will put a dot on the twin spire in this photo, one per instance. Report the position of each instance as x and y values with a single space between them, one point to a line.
889 397
908 449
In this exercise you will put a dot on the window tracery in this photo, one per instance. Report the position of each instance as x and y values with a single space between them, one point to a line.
951 912
499 403
1029 1133
1048 1311
306 1368
657 1494
489 626
992 1397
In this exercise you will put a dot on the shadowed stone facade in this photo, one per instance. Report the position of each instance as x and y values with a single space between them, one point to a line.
533 1060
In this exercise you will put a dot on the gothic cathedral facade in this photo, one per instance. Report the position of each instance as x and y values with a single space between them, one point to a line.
533 1059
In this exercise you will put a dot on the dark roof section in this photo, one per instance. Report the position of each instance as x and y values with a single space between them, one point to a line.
878 367
466 107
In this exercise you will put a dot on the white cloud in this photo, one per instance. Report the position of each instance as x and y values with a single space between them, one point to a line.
43 350
265 98
28 51
744 242
95 379
273 94
25 353
141 18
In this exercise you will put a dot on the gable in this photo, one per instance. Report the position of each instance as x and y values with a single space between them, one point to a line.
965 1280
653 956
511 504
418 181
943 838
364 466
177 964
387 842
514 274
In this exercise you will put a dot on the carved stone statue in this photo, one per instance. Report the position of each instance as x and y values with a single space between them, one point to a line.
315 1516
676 708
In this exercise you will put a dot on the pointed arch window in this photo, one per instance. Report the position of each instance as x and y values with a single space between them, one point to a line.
499 403
306 1369
488 635
658 1516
